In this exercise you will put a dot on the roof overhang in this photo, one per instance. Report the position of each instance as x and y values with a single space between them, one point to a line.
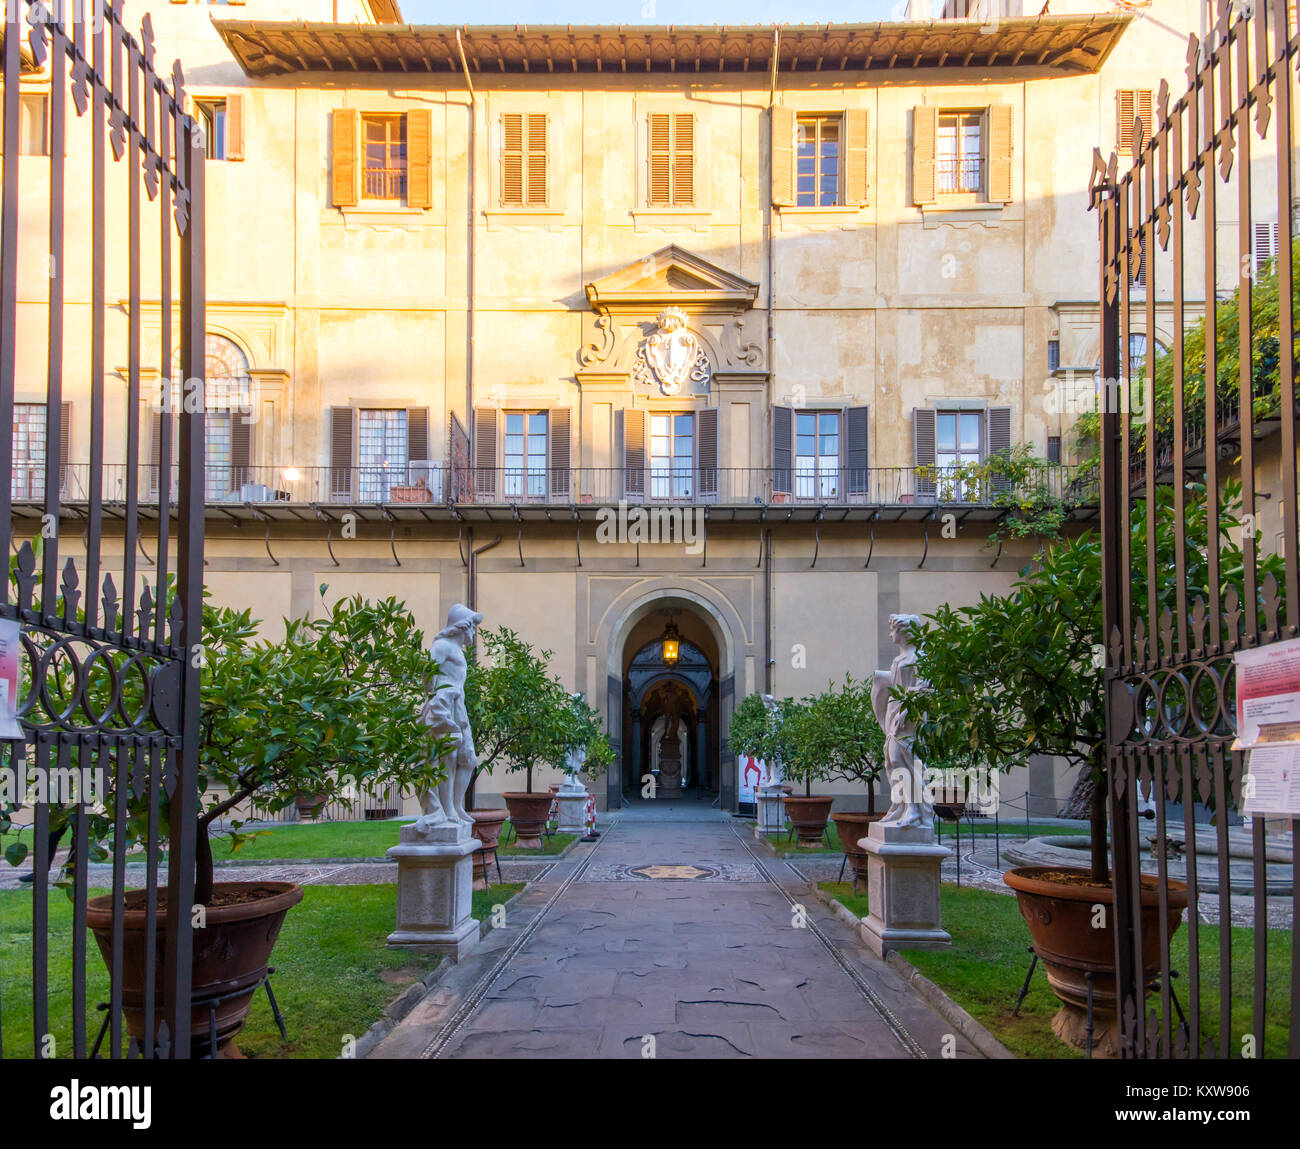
1050 45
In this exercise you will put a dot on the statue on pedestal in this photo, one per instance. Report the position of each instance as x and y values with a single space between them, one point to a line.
910 806
444 713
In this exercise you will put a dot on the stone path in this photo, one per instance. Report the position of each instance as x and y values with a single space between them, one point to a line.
672 937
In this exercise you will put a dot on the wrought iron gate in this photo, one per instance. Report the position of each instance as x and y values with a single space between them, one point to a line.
107 689
1199 524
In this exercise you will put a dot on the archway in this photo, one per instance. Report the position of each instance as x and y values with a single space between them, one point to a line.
636 618
671 722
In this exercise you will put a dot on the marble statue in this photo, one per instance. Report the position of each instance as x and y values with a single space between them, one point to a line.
444 713
910 806
574 759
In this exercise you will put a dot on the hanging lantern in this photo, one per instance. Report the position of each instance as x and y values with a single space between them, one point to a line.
671 643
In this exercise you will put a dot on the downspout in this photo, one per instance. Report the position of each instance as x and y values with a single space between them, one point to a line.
769 662
469 254
471 578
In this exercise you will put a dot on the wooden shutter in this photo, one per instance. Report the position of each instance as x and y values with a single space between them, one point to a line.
782 449
419 158
536 187
925 134
633 453
1001 147
923 448
241 448
65 453
1132 104
659 192
485 453
783 157
857 157
707 448
998 432
855 450
458 440
345 143
560 449
235 127
512 160
684 159
342 438
417 436
155 452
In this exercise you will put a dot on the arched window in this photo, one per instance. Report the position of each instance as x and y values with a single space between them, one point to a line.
228 428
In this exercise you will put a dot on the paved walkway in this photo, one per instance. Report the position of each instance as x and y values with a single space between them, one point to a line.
673 936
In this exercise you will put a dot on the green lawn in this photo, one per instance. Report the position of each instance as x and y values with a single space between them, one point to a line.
787 848
334 975
986 966
342 840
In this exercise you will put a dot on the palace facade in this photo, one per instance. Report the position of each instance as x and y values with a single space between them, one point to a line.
481 300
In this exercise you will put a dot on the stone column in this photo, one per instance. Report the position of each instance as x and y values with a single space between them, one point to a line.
903 889
435 879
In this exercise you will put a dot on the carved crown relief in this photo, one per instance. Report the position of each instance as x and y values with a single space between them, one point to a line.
671 321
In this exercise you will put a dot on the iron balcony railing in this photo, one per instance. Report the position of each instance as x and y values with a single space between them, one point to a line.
431 483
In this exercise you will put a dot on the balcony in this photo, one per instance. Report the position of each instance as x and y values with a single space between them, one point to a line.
429 492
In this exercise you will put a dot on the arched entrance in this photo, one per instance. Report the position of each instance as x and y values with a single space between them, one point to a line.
671 710
671 721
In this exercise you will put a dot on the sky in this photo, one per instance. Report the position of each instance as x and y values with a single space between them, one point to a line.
646 11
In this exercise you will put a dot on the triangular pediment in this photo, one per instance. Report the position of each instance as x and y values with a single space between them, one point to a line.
671 275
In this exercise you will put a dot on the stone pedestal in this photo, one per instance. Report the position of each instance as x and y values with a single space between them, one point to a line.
435 875
670 773
903 890
771 813
572 801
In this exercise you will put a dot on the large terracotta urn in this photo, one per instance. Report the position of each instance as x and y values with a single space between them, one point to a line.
1059 904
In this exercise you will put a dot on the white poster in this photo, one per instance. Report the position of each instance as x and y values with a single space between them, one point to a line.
1268 694
753 774
9 640
1273 782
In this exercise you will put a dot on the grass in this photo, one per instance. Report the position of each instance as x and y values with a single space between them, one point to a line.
334 974
342 840
788 849
985 967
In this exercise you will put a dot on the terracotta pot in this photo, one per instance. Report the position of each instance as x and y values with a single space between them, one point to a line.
852 827
487 829
230 955
309 805
1057 904
528 811
809 816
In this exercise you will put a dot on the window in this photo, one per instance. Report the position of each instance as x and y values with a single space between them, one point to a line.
1054 449
958 441
672 456
816 454
1131 105
523 160
959 153
28 479
384 172
381 452
227 425
817 178
525 454
1265 246
671 171
1053 354
212 114
34 124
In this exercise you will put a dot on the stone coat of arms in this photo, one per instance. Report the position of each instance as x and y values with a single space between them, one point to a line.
671 355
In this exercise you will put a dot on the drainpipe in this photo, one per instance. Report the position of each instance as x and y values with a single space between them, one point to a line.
769 663
471 573
469 249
